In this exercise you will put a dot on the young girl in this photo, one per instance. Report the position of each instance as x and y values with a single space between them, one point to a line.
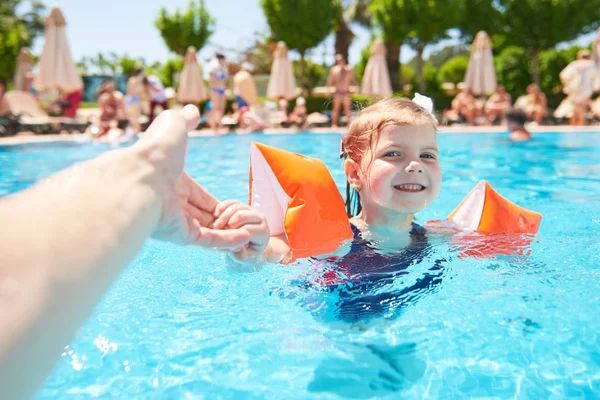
392 170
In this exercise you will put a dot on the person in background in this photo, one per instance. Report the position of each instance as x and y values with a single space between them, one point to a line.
515 121
72 101
156 92
497 105
217 82
579 82
464 107
133 100
112 110
283 115
4 108
299 114
341 78
28 84
536 106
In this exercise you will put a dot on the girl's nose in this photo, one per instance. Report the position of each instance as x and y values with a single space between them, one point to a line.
414 166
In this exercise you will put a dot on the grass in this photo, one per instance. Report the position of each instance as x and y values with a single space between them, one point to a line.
88 105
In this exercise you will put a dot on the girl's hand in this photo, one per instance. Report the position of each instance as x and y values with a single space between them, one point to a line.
232 214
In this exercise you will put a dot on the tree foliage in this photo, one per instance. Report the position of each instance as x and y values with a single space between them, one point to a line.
301 24
166 71
512 70
537 25
552 62
440 57
428 23
18 31
454 69
478 15
349 11
365 53
314 74
388 16
182 29
417 23
260 54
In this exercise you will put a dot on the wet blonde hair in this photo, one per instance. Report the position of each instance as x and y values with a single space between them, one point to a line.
364 131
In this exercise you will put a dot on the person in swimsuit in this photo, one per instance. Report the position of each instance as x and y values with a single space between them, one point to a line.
157 95
218 80
112 110
391 165
341 77
536 106
133 100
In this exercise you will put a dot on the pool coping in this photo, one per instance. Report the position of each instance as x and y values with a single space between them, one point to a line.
28 137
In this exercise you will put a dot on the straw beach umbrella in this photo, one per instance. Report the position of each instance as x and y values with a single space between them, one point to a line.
481 75
24 66
244 85
376 80
191 85
281 81
56 67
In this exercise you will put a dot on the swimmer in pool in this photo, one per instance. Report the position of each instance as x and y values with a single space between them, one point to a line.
515 122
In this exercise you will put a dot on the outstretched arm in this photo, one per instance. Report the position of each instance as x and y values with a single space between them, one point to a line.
65 240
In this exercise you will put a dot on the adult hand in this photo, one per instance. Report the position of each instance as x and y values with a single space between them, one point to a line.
187 208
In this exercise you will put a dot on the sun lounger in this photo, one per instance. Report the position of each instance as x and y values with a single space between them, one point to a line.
9 125
32 117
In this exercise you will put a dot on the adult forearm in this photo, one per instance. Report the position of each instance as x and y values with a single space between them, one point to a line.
63 242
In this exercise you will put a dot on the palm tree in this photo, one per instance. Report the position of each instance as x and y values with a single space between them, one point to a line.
357 11
349 11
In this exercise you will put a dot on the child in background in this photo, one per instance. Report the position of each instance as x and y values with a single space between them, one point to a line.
515 121
391 165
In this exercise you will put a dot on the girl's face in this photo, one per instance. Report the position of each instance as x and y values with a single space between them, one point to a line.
401 173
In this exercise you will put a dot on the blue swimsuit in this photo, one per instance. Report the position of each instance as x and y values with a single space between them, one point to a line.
361 275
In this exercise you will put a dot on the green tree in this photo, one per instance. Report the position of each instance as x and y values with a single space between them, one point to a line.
182 29
165 72
454 69
260 54
389 16
349 11
18 30
478 15
301 24
428 22
106 64
168 70
314 74
440 57
537 25
365 53
512 70
84 65
128 64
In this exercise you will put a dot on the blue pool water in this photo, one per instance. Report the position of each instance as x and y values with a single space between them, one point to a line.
178 324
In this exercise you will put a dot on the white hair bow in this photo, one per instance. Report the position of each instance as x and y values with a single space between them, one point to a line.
424 102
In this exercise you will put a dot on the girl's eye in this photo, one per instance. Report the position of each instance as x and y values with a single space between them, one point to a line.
392 154
427 155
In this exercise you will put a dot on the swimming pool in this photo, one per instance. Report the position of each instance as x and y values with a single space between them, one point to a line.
178 324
